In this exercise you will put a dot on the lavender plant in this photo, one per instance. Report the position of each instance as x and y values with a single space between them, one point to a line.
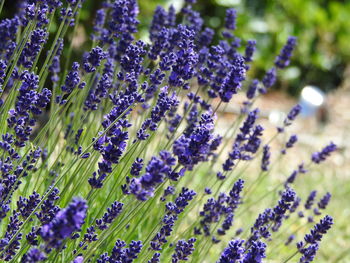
116 157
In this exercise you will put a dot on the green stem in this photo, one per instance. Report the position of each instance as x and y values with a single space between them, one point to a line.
1 5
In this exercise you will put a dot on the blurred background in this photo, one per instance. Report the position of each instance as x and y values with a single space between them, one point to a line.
322 28
318 77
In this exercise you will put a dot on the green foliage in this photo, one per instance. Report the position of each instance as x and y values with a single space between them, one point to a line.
322 28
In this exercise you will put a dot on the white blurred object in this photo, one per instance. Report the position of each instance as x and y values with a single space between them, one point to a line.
311 100
276 117
258 25
228 2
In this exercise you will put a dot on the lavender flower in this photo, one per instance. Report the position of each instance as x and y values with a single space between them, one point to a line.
310 247
33 255
321 156
173 209
55 68
32 48
322 204
247 126
186 58
268 81
266 158
8 33
283 59
195 147
155 258
193 19
249 51
27 206
205 37
294 112
3 67
285 203
319 230
170 190
99 23
183 250
292 177
11 233
29 102
121 254
309 253
72 79
289 240
310 200
224 206
290 143
256 253
136 89
93 59
156 171
132 59
108 217
232 82
112 145
48 209
160 43
78 259
272 218
208 191
159 20
234 252
32 236
65 223
230 19
124 16
96 95
136 167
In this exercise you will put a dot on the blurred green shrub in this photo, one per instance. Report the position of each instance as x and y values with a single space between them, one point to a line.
322 28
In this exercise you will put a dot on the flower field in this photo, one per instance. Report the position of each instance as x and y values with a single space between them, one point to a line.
132 152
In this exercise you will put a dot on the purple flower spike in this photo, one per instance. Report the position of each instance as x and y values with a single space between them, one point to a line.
233 81
111 214
324 201
33 255
319 230
321 156
294 112
309 248
93 59
283 58
230 19
268 80
251 92
155 258
157 170
256 253
249 51
66 222
265 162
310 200
233 252
290 143
183 250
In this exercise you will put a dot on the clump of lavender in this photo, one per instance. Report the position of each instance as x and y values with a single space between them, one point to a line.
64 224
130 126
310 245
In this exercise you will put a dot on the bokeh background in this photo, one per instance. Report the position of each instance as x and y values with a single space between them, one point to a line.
321 59
322 28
